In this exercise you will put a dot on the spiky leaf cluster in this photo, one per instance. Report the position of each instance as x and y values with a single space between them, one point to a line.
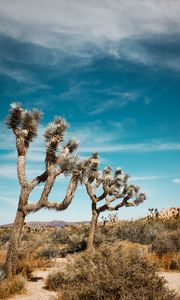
30 121
72 145
15 117
69 165
54 134
55 130
24 120
88 168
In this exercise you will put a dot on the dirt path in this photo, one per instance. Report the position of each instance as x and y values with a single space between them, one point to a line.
36 289
173 279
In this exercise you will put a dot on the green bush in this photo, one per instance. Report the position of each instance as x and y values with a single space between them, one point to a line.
120 272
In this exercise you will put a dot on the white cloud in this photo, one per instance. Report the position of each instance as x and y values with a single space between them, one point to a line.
176 180
90 21
86 28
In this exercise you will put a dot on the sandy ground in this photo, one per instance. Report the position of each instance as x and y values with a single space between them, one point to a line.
173 280
36 289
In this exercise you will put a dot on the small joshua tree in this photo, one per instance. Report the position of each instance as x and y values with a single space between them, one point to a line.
24 125
116 190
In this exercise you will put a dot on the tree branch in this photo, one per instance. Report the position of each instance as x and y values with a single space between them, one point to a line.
44 203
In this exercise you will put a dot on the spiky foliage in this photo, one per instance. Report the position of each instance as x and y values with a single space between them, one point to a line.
54 134
56 129
69 165
115 186
72 145
24 122
15 117
88 168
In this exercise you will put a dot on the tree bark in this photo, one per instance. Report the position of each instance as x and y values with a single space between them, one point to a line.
12 254
94 219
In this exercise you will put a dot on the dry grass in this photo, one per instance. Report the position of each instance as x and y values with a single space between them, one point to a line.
2 257
30 262
14 286
171 261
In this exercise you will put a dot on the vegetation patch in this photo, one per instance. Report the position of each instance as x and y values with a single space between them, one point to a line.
122 271
10 287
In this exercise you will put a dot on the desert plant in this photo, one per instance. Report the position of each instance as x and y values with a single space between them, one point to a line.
49 252
77 242
11 287
24 125
114 272
170 261
139 231
60 236
167 242
115 187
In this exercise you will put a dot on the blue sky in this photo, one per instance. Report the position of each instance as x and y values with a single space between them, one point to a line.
112 69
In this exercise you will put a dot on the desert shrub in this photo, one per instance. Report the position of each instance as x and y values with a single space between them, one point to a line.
171 224
28 262
26 267
49 252
77 242
4 238
11 287
60 236
139 231
167 242
28 236
118 272
98 238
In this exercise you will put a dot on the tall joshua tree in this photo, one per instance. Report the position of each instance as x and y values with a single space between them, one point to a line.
24 124
116 191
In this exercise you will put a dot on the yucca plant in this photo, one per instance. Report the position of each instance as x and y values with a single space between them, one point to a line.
58 161
117 191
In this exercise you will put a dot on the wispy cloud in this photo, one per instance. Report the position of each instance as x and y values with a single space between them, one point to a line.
146 178
89 94
9 171
117 99
104 141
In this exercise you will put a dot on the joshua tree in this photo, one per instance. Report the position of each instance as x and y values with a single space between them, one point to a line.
116 192
24 125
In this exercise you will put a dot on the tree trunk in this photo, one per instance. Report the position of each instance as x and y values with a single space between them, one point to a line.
12 254
92 227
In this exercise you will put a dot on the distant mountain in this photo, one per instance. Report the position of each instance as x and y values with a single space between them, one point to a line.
54 223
